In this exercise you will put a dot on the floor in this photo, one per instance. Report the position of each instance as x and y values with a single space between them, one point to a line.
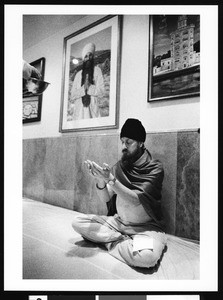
53 250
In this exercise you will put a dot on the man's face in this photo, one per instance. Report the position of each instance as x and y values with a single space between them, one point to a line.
88 60
131 150
88 56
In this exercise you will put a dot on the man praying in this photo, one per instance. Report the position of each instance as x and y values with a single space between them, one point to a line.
133 229
87 87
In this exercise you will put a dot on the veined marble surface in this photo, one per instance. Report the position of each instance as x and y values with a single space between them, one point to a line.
34 152
188 185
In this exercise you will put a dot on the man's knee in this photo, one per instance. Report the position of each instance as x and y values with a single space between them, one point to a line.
145 259
149 258
76 223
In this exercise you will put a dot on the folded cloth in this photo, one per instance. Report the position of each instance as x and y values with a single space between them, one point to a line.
145 178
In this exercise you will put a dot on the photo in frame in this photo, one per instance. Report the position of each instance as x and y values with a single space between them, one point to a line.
32 104
91 75
174 57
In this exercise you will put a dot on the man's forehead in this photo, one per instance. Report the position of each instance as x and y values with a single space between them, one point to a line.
88 54
124 139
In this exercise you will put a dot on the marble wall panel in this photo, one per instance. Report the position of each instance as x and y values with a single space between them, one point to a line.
188 185
67 182
60 165
163 146
54 172
101 148
34 151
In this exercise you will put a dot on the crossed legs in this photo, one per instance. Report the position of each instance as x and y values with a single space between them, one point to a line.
118 239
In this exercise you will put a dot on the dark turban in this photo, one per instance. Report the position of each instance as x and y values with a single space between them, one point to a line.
133 129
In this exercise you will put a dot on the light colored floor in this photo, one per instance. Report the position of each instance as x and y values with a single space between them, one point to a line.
53 250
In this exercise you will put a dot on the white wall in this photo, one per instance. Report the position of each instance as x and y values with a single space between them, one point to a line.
156 116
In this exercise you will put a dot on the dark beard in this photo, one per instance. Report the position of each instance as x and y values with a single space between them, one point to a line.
88 69
88 65
127 161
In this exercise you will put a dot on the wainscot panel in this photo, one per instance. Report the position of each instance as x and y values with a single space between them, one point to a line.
188 185
34 151
54 173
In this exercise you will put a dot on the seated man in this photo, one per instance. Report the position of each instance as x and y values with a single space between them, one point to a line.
133 229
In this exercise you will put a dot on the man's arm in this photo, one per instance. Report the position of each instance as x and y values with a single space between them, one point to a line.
127 195
103 190
77 91
104 174
98 88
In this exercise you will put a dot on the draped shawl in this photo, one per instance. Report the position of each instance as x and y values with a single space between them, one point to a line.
145 178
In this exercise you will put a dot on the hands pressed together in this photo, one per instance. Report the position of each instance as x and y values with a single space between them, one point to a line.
98 172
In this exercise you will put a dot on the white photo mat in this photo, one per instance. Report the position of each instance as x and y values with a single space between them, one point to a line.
13 280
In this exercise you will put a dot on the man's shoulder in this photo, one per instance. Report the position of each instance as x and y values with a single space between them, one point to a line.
97 69
78 74
156 164
152 161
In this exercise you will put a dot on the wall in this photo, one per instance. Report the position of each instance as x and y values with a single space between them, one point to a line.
173 115
54 173
53 170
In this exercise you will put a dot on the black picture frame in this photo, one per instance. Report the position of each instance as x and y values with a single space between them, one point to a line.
174 57
106 35
32 105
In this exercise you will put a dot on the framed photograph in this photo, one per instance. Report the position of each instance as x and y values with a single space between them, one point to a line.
174 58
32 105
91 76
31 109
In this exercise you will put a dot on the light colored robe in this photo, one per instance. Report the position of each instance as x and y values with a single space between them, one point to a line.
95 90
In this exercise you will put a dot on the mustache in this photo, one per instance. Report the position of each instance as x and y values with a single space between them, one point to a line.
88 64
125 153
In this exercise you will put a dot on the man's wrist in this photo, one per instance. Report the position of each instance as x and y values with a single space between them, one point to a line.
100 188
111 177
111 181
101 185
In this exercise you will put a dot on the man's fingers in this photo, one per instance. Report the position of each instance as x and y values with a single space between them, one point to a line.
106 167
96 166
96 170
88 164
